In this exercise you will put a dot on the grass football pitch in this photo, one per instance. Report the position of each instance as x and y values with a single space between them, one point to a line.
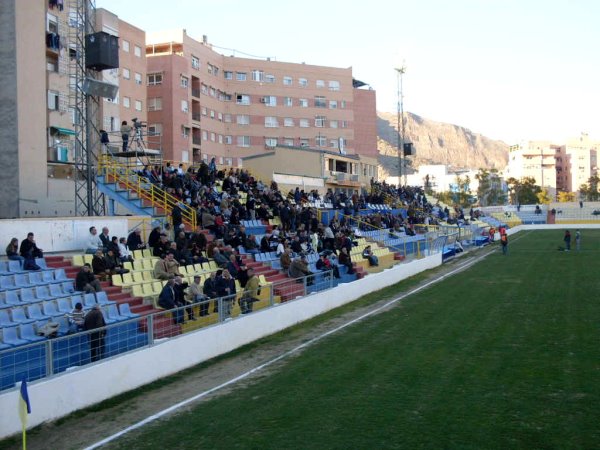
505 355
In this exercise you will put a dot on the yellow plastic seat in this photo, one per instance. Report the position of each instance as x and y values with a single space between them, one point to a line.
137 254
146 253
78 260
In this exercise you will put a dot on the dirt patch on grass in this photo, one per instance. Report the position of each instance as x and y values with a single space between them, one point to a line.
89 426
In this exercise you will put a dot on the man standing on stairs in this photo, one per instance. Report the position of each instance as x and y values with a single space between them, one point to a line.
92 321
251 292
176 218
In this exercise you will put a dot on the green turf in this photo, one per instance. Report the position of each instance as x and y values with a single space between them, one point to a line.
504 356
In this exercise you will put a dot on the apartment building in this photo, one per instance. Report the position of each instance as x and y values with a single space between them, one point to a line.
206 104
576 162
39 51
535 159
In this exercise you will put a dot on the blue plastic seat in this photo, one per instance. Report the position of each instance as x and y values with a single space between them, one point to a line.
27 333
10 337
64 305
76 298
125 311
18 316
7 282
108 320
43 293
102 299
35 279
5 320
15 266
41 262
12 298
113 313
50 309
48 276
60 275
57 292
22 280
28 296
67 286
63 325
35 312
89 301
4 268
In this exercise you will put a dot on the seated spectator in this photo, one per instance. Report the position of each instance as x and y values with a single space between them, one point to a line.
210 289
99 266
76 318
286 259
299 269
233 266
113 245
93 242
368 254
166 267
154 237
167 299
196 295
226 289
324 264
12 251
29 249
134 240
220 259
180 286
124 251
162 246
85 280
105 238
265 245
345 260
251 292
251 246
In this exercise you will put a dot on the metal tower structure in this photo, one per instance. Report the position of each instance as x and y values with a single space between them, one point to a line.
88 201
400 126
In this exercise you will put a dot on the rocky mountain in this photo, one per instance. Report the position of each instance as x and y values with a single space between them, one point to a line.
437 143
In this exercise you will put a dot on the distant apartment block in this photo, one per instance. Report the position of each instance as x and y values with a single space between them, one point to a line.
206 104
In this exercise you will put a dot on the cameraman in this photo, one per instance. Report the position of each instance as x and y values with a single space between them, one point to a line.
125 132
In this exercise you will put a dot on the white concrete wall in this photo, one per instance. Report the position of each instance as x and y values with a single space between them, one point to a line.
58 396
61 234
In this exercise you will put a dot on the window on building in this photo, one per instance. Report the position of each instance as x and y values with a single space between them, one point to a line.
126 102
304 123
204 89
333 104
204 135
212 91
270 142
125 46
242 99
241 76
138 78
334 85
185 131
271 122
126 74
344 124
320 102
53 100
303 103
138 105
184 82
320 121
220 116
185 106
343 104
243 141
155 104
51 23
213 137
137 51
204 110
227 118
288 122
155 129
287 101
303 142
269 100
288 81
228 75
154 78
269 78
333 143
195 62
288 141
212 113
220 139
303 82
320 83
321 141
243 119
258 75
333 124
228 140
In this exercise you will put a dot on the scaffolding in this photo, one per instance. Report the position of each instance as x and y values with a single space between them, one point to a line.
88 200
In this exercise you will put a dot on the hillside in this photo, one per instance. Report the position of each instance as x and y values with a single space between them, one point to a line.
438 143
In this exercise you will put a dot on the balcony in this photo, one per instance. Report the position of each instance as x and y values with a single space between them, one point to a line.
52 43
196 93
196 116
196 140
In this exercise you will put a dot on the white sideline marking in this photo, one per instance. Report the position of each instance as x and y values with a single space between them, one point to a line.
189 400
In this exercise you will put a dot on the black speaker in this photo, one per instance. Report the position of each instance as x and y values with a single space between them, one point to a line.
101 51
409 150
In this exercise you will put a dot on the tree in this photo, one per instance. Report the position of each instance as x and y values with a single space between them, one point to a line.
524 191
490 190
543 197
589 191
566 197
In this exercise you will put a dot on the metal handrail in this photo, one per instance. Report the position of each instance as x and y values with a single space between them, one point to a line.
145 189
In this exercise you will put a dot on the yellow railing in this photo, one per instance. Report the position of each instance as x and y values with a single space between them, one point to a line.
158 198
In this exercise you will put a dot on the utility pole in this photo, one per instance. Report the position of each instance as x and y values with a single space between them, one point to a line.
400 126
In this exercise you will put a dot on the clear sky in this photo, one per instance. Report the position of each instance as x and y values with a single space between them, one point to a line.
509 69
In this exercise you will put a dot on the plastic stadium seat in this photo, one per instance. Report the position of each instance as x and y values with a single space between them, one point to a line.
28 296
138 254
57 292
63 325
117 280
27 333
113 313
125 311
4 268
18 316
5 320
78 260
137 277
35 278
147 253
68 287
60 275
48 276
147 275
15 266
10 337
43 293
12 298
64 305
89 301
7 282
35 312
50 309
41 262
77 298
102 299
22 280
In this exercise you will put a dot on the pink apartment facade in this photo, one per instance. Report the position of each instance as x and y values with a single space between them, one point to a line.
207 105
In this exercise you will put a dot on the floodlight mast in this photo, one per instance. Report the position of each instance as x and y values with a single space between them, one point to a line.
400 125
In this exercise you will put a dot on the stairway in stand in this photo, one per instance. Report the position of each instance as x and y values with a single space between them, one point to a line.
163 325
